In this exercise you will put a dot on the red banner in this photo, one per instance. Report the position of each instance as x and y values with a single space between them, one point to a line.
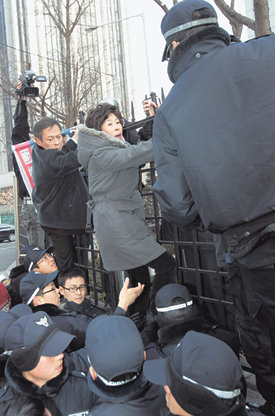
23 155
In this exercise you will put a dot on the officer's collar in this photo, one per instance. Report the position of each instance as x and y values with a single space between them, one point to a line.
194 47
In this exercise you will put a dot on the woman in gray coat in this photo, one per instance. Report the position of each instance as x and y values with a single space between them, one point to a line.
125 241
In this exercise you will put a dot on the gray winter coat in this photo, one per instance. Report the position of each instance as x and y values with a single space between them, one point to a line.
125 241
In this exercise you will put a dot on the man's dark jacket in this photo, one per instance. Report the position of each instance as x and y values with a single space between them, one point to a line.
60 193
84 308
20 134
66 394
143 399
169 336
214 136
72 322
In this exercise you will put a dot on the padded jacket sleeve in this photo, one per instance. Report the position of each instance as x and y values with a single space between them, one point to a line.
122 158
171 188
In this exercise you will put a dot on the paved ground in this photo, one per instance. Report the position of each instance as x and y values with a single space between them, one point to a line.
7 255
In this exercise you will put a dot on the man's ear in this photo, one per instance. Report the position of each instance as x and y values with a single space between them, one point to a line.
61 290
36 301
144 355
38 141
175 43
93 373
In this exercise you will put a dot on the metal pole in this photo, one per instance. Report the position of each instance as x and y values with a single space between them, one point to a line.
146 53
122 62
144 36
112 22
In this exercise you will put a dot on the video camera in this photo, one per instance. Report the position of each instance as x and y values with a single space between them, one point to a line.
24 86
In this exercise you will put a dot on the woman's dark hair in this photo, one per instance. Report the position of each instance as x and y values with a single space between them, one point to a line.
25 406
98 115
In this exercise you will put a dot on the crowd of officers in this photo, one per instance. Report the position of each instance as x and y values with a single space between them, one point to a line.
212 144
61 355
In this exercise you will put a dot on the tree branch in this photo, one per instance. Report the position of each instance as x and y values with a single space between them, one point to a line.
234 16
162 5
55 17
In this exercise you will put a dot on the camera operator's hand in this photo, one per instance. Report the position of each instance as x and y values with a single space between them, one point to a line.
127 296
75 136
150 106
18 90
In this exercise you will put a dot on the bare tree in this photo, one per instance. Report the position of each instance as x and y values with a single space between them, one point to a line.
76 81
4 148
260 25
72 81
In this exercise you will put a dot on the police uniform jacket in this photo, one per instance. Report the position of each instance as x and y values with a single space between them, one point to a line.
214 136
169 336
72 322
145 399
66 395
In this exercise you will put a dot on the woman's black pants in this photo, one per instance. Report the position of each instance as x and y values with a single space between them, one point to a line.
165 272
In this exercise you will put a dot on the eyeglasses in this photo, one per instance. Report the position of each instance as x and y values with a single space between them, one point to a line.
75 288
46 256
51 290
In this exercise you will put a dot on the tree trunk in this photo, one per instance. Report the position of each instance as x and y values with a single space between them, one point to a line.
262 22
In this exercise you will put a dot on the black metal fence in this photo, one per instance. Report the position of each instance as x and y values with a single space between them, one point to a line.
193 250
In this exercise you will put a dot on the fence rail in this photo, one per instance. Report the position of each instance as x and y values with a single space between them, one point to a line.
194 252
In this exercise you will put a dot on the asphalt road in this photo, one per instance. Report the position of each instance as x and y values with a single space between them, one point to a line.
7 255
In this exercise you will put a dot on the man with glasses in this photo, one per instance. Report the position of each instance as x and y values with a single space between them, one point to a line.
41 294
60 193
41 261
31 258
73 289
